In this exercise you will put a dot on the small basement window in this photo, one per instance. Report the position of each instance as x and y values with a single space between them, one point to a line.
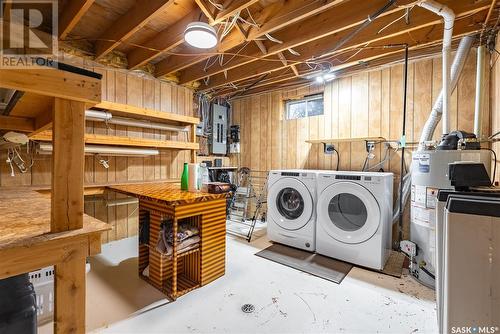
311 105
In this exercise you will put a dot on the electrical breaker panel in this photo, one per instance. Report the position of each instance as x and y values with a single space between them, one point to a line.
219 130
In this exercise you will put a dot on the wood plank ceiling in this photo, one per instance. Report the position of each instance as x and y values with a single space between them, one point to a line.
263 44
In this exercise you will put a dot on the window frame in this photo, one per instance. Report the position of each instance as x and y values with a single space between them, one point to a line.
306 100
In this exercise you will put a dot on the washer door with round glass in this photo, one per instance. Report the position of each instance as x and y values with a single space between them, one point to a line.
290 203
348 212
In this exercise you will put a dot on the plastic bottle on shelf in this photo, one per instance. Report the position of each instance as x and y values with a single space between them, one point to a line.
184 177
204 177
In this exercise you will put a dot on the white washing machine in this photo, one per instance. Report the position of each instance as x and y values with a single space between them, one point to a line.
354 217
291 208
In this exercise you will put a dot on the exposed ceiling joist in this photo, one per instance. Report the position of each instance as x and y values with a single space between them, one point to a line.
360 64
173 64
165 40
232 8
205 9
17 123
71 15
129 23
421 31
286 13
329 22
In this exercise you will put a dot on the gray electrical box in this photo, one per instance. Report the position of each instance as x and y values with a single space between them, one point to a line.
218 140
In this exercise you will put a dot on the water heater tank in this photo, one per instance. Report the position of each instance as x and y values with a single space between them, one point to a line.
429 174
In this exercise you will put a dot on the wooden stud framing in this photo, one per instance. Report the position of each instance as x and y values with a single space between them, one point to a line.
68 162
71 15
128 24
16 124
69 307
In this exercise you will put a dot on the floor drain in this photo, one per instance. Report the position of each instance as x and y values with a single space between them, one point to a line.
248 308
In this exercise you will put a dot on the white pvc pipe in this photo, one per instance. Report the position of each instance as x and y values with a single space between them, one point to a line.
449 18
478 107
47 148
103 116
95 115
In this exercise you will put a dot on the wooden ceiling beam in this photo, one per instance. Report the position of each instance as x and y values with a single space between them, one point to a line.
204 8
128 24
327 23
374 61
173 64
233 7
322 47
71 15
273 17
289 12
164 41
322 25
21 124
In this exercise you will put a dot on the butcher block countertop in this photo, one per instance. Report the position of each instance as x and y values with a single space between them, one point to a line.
166 193
25 220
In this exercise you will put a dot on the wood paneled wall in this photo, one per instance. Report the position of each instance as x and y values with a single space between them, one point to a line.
365 104
133 89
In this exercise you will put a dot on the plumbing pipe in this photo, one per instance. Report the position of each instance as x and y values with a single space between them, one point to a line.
456 69
47 148
449 18
103 116
95 115
478 107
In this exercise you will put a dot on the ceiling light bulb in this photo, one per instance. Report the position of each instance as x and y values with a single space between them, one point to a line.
320 79
200 35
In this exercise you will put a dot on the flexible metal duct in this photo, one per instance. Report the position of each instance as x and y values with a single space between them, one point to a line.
456 69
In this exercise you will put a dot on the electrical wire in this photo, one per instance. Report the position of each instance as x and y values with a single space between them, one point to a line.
494 135
338 158
494 165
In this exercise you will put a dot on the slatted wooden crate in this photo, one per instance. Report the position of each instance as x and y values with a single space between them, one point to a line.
183 272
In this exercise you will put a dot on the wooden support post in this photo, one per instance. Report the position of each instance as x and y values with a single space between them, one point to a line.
70 295
68 162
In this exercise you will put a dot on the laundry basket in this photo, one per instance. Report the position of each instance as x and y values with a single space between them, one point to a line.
43 281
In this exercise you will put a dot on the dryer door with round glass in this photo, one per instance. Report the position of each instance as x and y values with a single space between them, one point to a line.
348 212
290 203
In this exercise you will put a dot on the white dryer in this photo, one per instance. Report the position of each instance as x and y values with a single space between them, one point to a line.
291 208
354 217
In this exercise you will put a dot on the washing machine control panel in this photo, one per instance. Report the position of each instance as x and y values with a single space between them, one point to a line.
365 178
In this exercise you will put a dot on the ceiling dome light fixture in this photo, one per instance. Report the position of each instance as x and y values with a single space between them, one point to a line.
200 35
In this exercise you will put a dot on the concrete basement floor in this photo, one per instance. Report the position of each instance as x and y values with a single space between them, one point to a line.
286 300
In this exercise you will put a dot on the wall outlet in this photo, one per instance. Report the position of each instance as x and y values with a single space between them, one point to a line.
329 148
408 247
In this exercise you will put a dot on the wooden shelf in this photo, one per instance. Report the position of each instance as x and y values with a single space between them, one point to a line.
125 141
125 110
344 140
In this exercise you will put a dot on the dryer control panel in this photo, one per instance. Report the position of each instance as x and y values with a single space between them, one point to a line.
372 179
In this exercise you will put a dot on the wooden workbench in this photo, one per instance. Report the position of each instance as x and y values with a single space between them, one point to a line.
26 244
38 231
182 272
